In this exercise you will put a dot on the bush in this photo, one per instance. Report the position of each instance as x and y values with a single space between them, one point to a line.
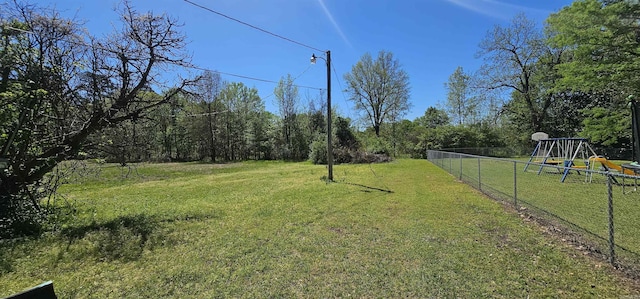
318 153
378 152
379 146
361 157
342 155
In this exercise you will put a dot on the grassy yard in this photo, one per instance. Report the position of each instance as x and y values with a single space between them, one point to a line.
581 200
273 229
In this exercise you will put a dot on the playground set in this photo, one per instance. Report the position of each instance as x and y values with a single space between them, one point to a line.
563 153
571 154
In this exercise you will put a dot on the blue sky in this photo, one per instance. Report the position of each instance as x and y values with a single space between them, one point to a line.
430 38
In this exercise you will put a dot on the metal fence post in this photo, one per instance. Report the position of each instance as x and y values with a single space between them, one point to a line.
460 168
612 244
479 181
515 185
450 163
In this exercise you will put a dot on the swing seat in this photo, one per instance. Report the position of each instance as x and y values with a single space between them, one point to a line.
550 162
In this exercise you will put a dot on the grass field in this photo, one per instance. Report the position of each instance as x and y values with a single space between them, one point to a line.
273 229
581 200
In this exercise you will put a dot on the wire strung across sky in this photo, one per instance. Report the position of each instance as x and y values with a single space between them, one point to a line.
339 83
278 36
252 78
181 64
252 26
294 79
273 34
267 32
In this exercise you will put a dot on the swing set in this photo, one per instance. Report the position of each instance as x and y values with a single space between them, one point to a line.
571 154
562 154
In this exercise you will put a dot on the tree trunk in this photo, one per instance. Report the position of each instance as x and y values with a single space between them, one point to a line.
212 137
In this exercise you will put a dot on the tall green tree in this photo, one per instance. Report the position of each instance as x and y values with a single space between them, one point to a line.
605 55
604 44
171 125
380 89
261 138
242 107
130 141
433 118
460 104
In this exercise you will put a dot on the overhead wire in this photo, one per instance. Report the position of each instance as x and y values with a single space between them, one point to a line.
342 90
264 31
220 72
16 29
252 78
339 83
182 64
294 79
252 26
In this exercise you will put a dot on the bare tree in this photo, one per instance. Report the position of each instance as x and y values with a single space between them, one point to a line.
461 105
379 88
57 103
287 98
208 90
514 56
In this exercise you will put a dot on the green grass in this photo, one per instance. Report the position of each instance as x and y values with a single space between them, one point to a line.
580 200
273 229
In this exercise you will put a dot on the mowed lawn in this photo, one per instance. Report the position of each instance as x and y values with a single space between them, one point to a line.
274 229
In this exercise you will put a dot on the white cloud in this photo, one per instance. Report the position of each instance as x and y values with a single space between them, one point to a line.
334 23
495 9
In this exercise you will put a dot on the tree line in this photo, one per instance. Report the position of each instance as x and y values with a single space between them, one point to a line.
572 77
68 95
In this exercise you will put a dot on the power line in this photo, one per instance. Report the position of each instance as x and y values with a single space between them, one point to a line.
181 64
294 79
251 78
204 114
338 79
340 84
177 63
252 26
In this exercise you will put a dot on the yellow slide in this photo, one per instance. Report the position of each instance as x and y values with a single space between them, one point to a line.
608 164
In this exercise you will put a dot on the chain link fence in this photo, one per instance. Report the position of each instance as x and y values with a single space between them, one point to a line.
591 207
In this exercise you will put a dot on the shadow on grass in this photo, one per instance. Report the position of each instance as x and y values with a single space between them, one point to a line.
6 266
122 238
369 188
125 237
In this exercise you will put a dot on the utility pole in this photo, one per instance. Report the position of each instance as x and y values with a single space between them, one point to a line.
329 146
329 135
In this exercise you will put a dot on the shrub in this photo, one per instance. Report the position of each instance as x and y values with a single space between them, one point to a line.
361 157
379 146
342 155
318 153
